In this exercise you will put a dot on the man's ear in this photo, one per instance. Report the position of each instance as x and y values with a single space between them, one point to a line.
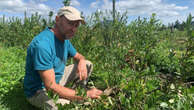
57 18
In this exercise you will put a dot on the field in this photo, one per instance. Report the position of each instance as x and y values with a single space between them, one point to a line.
145 64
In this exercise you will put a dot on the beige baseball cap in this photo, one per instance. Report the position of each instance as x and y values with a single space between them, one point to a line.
71 14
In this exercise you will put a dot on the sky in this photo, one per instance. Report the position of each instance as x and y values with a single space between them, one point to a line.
167 11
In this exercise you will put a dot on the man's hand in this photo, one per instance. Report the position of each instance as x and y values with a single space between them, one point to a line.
82 70
94 93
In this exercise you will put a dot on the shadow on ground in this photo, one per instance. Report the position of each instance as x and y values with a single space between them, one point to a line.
15 99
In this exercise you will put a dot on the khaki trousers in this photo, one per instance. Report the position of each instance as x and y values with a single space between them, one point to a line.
41 99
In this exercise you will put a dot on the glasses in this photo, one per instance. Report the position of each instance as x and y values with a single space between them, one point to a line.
71 23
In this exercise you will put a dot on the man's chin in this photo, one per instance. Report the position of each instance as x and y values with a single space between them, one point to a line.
68 37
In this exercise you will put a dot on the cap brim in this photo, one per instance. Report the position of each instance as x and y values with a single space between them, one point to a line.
82 21
76 19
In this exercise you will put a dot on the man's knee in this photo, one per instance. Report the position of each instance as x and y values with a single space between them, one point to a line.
89 66
88 62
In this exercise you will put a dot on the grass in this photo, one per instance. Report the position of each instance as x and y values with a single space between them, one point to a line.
12 62
15 100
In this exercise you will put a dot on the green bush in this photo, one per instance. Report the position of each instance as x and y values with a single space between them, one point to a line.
139 60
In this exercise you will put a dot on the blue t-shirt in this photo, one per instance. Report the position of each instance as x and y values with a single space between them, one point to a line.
45 52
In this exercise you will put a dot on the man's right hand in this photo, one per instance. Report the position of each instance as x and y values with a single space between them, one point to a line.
94 93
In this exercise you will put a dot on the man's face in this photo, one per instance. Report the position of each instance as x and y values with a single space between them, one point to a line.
66 27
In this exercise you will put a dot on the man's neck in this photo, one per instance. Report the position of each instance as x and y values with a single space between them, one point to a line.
55 31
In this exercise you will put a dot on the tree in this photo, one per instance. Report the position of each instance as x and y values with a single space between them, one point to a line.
183 25
192 24
66 2
177 25
171 26
50 17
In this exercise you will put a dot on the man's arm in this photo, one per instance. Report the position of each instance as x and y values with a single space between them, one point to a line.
79 57
48 77
81 68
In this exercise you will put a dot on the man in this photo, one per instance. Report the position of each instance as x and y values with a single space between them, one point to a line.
46 59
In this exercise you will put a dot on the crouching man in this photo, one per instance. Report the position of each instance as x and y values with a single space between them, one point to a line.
46 60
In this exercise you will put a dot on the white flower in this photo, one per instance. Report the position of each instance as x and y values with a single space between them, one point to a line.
172 86
137 62
164 104
171 100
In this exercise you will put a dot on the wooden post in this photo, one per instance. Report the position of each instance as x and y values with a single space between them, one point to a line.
113 1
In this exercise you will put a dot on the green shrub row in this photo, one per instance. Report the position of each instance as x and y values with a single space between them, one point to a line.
146 66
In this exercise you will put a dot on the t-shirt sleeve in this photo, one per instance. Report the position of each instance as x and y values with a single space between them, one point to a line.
42 58
71 50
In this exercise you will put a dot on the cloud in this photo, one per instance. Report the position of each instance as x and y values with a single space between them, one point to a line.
19 6
95 4
39 0
75 3
142 7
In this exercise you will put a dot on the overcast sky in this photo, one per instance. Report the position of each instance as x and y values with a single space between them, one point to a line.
166 10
